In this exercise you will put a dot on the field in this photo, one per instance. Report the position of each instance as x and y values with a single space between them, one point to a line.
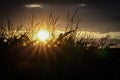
61 58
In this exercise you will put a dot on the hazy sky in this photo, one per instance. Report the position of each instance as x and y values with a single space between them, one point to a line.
99 15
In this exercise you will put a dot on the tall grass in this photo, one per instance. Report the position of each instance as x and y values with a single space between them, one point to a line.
11 34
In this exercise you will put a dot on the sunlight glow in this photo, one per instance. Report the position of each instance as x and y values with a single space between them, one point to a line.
43 35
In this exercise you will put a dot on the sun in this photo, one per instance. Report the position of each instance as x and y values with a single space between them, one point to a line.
43 35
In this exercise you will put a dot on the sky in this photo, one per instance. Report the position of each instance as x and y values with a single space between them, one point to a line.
98 16
58 1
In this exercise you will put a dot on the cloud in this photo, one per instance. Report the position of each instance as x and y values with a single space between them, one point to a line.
81 5
34 6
